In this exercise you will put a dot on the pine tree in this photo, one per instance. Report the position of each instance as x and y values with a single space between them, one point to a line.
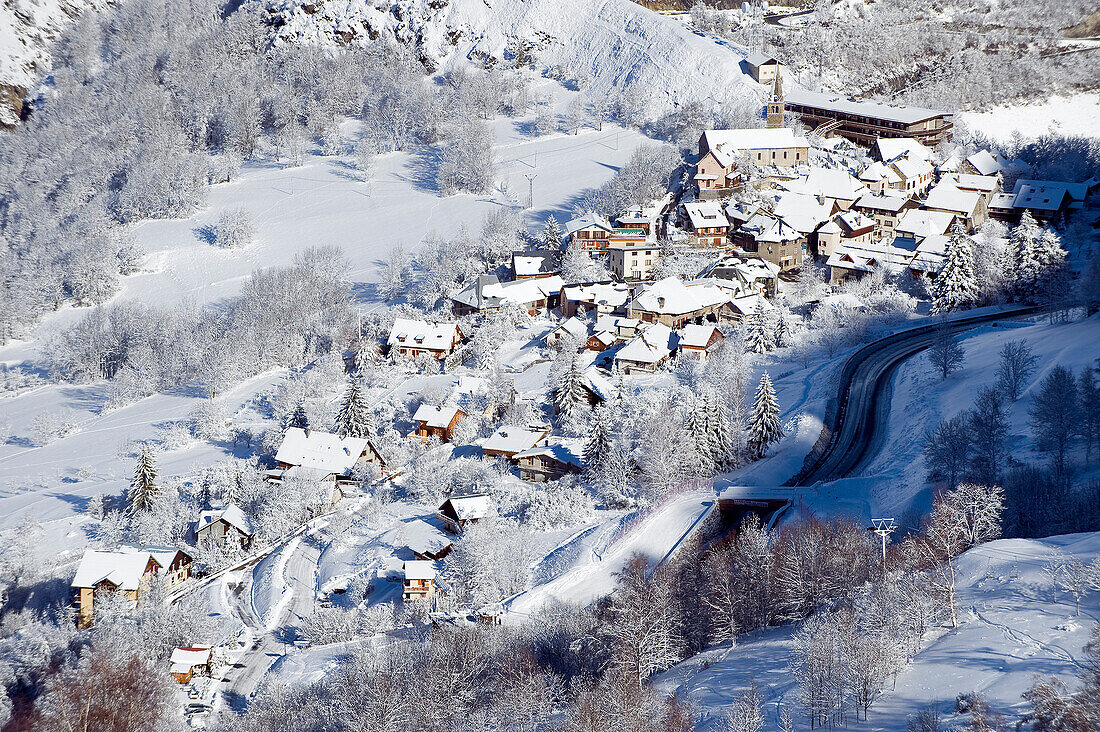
599 443
756 332
354 418
764 427
782 328
298 417
551 235
143 488
570 395
956 286
1025 262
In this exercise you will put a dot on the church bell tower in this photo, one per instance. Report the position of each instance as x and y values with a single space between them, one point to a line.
776 107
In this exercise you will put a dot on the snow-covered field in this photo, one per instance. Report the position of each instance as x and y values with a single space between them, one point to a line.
1074 114
1011 628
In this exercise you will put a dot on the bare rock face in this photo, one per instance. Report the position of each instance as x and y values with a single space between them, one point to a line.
11 105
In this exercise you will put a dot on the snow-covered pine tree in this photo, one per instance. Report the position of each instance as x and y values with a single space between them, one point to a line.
699 427
551 235
1024 243
143 488
956 287
764 426
570 396
756 332
1049 253
599 443
354 419
298 417
782 330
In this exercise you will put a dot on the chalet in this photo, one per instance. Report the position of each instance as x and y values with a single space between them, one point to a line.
855 259
985 163
1045 199
509 440
634 261
458 512
762 68
706 222
424 540
1002 207
438 422
188 662
748 274
772 239
601 297
590 231
780 147
885 210
622 328
889 149
968 208
696 341
828 186
418 580
915 174
850 227
551 461
488 293
571 330
929 254
228 527
919 223
600 341
130 570
805 213
674 304
328 457
412 338
864 122
743 305
535 263
880 177
648 350
642 217
985 186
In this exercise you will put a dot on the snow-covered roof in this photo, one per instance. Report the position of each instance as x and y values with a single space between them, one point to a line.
122 569
574 326
759 59
967 182
930 254
828 182
947 197
803 211
767 228
511 439
473 506
1002 201
743 269
563 450
984 163
439 417
231 514
525 291
187 658
611 294
597 383
321 451
529 264
586 221
671 296
886 202
725 144
695 336
911 168
921 223
419 569
880 171
705 214
651 346
889 149
422 334
865 256
750 303
864 108
420 536
853 221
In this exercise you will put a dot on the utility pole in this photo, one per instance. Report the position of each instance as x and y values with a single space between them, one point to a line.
531 188
883 527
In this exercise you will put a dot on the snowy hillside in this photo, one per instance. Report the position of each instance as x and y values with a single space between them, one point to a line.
26 29
597 45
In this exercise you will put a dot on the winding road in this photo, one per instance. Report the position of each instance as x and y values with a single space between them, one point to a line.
862 406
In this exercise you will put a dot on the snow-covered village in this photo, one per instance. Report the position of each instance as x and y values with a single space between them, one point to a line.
549 365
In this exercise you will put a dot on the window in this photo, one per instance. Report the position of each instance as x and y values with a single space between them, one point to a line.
784 154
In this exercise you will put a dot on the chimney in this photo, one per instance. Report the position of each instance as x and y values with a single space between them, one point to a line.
661 302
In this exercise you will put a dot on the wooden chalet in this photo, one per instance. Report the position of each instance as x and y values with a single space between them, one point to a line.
551 461
189 661
438 422
228 527
457 512
418 580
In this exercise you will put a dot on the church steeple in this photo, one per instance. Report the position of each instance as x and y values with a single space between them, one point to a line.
776 106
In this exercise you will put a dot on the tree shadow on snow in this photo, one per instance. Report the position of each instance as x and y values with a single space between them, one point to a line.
424 164
206 234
